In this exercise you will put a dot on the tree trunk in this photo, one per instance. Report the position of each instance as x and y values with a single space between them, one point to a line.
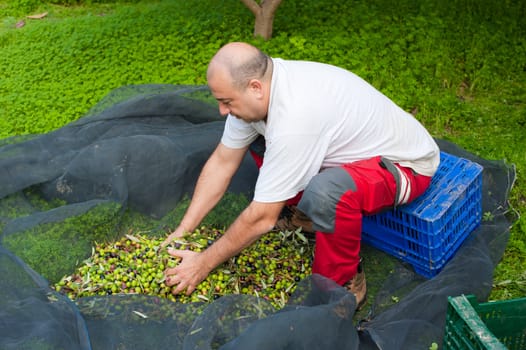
264 16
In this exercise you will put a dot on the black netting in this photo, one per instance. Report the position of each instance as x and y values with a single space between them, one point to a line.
140 150
32 316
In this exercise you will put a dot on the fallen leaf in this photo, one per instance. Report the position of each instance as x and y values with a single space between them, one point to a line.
20 24
133 238
39 16
139 314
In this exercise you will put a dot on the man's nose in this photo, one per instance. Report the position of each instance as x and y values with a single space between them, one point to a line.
223 109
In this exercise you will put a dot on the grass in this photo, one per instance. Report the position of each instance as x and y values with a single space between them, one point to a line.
459 66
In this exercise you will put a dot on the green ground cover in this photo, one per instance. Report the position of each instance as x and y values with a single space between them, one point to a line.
459 66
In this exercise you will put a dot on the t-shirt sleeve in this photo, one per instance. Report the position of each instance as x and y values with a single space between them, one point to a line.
289 164
237 133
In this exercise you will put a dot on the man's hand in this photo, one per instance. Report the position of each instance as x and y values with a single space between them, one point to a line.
179 232
257 219
191 271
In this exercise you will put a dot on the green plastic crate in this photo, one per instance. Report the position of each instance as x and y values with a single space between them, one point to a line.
492 325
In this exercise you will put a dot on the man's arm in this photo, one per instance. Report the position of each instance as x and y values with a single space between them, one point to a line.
210 187
257 219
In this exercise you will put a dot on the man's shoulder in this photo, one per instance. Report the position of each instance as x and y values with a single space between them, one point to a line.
303 64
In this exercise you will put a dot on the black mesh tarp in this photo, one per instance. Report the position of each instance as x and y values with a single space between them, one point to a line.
142 148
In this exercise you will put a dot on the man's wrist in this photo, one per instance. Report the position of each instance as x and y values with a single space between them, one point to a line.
207 261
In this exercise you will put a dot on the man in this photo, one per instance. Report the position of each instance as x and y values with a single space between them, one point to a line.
332 144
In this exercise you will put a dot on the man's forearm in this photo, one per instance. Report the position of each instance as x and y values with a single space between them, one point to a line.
205 198
211 185
254 221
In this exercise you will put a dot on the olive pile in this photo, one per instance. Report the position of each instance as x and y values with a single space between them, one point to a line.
270 268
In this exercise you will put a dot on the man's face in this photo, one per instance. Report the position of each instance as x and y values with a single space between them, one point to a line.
245 104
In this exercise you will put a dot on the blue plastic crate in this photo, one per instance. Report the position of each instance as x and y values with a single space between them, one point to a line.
427 232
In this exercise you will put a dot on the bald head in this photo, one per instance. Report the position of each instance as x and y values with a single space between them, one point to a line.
241 62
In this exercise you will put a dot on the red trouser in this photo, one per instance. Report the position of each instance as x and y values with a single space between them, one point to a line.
336 200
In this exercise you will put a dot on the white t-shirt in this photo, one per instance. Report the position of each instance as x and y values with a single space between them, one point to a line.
323 116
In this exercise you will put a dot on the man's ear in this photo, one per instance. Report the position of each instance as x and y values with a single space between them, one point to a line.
256 87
